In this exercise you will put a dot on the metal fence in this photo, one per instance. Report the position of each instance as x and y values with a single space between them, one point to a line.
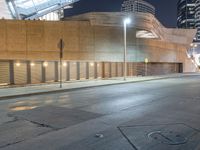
26 72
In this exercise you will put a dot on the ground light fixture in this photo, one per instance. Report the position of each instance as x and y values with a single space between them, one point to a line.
64 64
32 64
18 64
91 64
126 22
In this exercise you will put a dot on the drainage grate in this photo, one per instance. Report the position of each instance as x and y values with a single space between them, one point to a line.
168 137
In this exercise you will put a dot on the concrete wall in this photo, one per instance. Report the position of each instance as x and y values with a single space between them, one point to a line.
38 40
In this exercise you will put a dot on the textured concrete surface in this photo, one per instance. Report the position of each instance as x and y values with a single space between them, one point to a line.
152 115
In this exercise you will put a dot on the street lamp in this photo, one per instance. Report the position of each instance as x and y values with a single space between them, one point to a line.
126 21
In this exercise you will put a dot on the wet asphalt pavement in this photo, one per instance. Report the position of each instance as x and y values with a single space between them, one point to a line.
153 115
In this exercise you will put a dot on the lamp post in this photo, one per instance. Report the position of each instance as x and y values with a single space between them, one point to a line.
126 21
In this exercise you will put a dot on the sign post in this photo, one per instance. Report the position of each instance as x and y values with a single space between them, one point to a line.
61 46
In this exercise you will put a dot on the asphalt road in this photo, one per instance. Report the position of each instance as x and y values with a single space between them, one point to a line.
153 115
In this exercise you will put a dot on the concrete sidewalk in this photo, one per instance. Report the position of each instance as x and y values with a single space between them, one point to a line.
13 92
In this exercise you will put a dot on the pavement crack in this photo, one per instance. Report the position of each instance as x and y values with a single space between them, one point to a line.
42 125
36 123
9 144
11 121
125 136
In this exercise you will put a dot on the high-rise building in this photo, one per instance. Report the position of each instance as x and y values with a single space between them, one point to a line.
189 17
186 14
197 19
137 6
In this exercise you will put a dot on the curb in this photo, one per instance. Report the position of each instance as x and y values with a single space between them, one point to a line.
78 88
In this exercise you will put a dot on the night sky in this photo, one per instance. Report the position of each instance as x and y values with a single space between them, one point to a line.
165 9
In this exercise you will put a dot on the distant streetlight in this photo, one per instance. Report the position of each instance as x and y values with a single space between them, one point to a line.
193 46
126 21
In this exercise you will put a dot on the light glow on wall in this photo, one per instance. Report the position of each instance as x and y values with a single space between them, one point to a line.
64 64
45 64
32 64
18 64
145 34
91 64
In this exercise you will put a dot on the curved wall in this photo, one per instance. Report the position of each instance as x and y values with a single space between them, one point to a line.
92 40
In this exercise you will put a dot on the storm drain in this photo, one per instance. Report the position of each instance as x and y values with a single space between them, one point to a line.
161 137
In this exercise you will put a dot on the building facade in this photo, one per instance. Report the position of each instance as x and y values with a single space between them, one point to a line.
93 48
137 6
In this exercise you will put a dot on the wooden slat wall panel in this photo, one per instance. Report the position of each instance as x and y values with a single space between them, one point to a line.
140 69
4 73
107 71
36 73
64 71
130 69
120 69
134 69
82 70
20 73
73 72
113 69
91 70
99 70
50 72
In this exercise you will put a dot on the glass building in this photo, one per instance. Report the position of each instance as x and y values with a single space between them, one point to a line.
197 19
186 14
189 17
36 9
4 11
137 6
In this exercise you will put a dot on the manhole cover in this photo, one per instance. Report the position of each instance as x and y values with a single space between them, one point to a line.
161 137
168 137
